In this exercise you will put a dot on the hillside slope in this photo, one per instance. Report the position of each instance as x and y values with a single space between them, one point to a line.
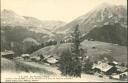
109 33
94 24
101 50
102 15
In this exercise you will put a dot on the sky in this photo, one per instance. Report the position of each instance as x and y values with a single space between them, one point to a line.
64 10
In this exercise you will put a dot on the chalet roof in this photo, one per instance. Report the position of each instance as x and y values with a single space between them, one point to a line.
52 60
25 55
116 76
120 68
115 62
126 73
7 53
102 66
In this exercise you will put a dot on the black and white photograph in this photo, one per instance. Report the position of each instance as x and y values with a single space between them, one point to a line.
64 41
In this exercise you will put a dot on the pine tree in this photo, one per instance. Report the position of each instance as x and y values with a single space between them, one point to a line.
75 50
70 63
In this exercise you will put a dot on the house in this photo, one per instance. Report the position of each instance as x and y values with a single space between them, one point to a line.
121 69
7 54
104 68
25 56
113 63
117 76
52 61
122 76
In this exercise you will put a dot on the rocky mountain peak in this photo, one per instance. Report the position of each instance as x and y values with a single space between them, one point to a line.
101 15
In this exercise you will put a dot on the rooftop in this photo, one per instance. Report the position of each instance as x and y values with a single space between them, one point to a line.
102 66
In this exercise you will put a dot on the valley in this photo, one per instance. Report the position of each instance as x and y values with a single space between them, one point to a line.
45 47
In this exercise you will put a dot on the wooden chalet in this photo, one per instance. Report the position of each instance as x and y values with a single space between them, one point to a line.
25 56
104 68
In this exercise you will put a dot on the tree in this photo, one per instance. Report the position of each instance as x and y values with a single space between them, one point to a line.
30 45
70 62
87 66
3 41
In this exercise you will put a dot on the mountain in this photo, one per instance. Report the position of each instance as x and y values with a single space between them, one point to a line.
15 28
10 18
102 15
109 33
107 23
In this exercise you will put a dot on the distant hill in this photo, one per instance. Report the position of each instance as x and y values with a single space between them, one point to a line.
10 18
16 28
109 33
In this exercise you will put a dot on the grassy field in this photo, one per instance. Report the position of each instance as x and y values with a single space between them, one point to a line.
7 65
43 72
22 66
109 50
35 68
95 50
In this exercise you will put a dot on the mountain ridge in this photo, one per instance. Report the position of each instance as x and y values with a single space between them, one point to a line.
10 18
98 17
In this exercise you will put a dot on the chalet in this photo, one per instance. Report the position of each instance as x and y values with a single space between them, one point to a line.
125 75
25 56
113 63
7 54
52 61
116 76
121 69
104 68
121 76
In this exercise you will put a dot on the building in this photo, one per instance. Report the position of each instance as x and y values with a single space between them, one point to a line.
52 61
121 69
7 54
25 56
121 76
113 63
104 68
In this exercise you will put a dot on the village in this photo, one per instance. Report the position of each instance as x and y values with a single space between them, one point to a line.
103 69
64 40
